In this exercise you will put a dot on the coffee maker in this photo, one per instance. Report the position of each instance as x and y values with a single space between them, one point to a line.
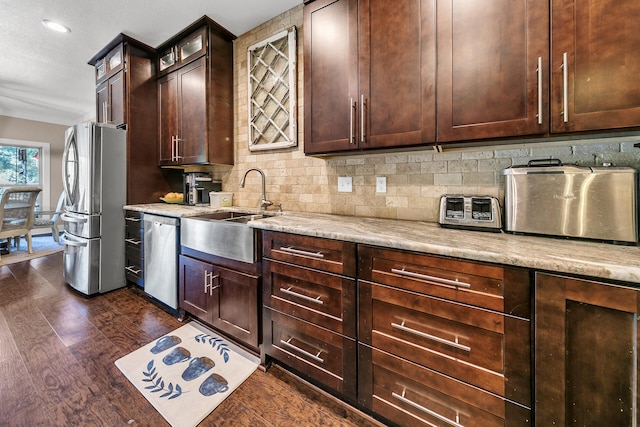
197 186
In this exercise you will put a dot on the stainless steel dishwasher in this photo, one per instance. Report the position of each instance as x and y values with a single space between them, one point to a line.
161 240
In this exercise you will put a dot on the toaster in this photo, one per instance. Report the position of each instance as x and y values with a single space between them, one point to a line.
470 212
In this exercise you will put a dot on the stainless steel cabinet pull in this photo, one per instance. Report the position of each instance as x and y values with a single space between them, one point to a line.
299 252
132 269
565 88
133 241
431 337
304 297
362 119
315 357
209 277
413 275
419 407
132 219
352 107
539 71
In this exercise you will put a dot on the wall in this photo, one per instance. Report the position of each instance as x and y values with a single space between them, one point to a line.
30 130
415 179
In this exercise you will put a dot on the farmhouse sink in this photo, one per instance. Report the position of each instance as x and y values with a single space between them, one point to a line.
223 234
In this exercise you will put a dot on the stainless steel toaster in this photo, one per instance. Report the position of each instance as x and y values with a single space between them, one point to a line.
470 212
596 202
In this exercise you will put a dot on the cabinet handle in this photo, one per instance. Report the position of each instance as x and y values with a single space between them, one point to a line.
362 119
352 107
132 219
133 241
565 88
539 71
288 291
209 277
178 156
419 407
431 337
440 280
315 357
173 148
133 270
299 252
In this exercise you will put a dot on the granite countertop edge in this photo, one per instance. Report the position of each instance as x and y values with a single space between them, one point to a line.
577 257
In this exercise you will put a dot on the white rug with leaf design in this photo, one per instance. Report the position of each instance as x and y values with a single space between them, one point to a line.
187 373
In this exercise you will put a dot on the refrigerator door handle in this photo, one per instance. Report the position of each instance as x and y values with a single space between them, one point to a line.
67 218
72 242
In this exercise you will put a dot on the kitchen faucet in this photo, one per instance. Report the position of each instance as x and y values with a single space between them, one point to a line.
264 203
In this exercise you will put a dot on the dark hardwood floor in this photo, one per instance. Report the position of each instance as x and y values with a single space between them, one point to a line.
57 353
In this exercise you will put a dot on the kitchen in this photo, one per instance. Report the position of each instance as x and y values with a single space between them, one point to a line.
415 180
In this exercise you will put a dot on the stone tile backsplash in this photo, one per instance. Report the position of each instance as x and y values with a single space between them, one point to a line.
415 179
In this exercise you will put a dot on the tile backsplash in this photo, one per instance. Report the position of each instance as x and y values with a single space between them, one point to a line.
415 180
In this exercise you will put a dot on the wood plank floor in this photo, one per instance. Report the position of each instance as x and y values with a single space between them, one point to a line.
57 353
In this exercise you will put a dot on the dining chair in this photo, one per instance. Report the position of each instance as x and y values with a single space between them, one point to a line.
51 219
17 211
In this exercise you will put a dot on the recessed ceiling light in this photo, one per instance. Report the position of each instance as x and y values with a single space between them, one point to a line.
55 26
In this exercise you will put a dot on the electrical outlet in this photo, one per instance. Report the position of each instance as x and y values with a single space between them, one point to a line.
345 184
381 184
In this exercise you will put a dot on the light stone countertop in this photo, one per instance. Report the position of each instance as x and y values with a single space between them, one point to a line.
598 260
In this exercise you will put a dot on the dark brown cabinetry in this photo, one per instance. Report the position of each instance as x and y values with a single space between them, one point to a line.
370 81
309 298
134 247
493 69
110 90
126 95
195 96
443 341
586 344
226 299
594 65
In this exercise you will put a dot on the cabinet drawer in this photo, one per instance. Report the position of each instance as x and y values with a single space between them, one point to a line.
408 394
484 285
459 340
134 220
134 238
323 254
325 299
322 355
134 266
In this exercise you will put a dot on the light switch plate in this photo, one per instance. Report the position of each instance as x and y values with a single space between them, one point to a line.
381 184
345 184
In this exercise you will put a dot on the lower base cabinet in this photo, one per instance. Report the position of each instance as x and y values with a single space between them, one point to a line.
413 395
586 352
319 354
224 298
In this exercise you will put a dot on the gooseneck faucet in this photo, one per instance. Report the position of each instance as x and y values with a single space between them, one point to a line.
264 203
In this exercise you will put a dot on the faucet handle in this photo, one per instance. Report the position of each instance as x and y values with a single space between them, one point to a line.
265 203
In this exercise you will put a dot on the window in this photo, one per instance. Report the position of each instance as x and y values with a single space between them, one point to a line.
25 163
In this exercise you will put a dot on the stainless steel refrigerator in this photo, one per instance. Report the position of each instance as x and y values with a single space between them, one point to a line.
94 175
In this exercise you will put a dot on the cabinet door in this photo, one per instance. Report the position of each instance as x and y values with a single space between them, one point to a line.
195 292
235 305
595 64
102 99
167 117
331 76
492 68
397 73
192 112
116 105
586 353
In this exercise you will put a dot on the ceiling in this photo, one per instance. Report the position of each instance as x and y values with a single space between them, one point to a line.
44 75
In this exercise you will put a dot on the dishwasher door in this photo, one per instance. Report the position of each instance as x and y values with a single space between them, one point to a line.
161 240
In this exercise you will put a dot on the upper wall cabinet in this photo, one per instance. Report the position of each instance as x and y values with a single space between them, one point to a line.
595 64
195 96
492 68
369 74
183 51
126 95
